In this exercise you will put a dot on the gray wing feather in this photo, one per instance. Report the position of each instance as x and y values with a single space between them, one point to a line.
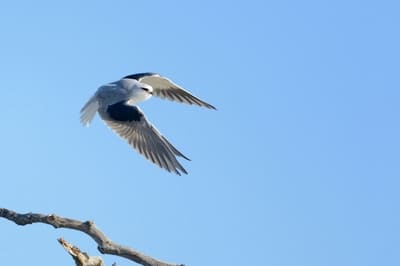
165 88
89 110
149 142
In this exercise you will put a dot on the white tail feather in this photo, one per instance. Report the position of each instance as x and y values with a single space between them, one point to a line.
89 110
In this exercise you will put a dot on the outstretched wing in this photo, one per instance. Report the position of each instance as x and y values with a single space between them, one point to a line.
165 88
131 124
89 110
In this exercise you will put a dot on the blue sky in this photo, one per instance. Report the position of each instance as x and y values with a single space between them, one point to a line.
298 166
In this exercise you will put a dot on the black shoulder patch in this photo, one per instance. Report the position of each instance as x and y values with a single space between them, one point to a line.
139 75
123 112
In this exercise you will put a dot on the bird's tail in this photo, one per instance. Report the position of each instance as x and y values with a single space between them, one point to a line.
89 110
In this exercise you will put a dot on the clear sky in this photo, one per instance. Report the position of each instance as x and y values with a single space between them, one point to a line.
299 166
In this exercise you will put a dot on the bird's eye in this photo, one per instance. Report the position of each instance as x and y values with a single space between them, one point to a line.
146 89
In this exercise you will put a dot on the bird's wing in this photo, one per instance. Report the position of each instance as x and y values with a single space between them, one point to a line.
167 89
89 110
131 124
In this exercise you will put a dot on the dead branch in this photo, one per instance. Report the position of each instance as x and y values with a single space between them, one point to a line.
80 258
105 245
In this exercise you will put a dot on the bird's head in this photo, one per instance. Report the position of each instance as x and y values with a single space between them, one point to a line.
146 88
140 92
145 92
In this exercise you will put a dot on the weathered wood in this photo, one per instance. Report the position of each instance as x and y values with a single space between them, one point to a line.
80 258
105 245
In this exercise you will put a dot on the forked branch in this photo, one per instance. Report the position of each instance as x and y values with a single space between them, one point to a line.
105 245
80 258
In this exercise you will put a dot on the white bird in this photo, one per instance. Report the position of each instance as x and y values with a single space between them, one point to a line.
115 102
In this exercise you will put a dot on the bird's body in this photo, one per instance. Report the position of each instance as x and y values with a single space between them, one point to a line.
115 102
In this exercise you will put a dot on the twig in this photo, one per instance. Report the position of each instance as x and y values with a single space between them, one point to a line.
105 245
80 258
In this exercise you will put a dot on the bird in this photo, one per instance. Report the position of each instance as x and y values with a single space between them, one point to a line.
116 103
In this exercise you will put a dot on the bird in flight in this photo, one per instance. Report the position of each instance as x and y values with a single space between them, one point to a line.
116 104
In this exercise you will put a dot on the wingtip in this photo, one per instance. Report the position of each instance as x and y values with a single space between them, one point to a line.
178 171
212 107
183 172
184 157
181 169
206 105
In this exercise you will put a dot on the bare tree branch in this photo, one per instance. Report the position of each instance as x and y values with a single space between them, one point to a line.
105 245
80 258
